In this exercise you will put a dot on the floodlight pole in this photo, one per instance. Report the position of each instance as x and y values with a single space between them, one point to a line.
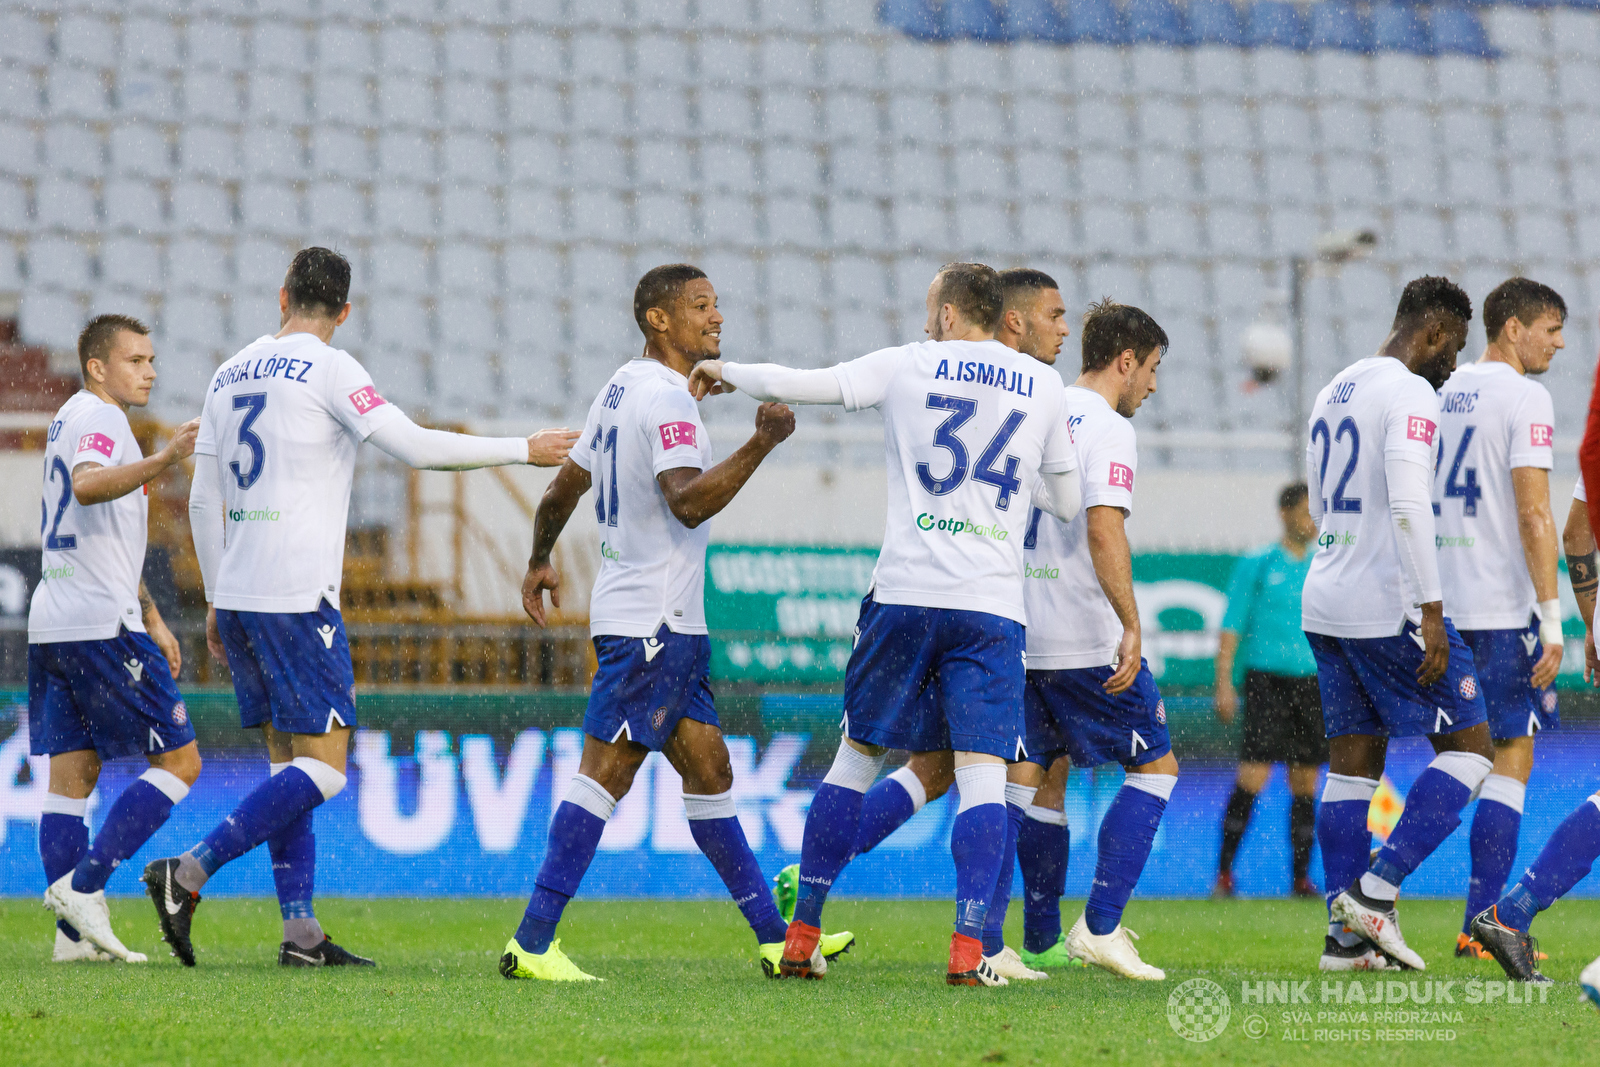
1297 319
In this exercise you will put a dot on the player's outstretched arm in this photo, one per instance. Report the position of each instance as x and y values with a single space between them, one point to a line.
555 508
1578 541
93 483
1537 528
695 496
766 381
1113 566
439 450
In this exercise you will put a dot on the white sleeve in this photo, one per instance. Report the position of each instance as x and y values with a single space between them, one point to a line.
1061 494
438 450
1411 510
205 519
1314 483
769 381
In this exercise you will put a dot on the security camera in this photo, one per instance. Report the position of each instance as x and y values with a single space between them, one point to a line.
1268 350
1343 245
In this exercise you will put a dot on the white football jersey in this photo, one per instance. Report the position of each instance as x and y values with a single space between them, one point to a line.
1491 420
652 567
1372 410
968 426
1071 623
93 556
282 421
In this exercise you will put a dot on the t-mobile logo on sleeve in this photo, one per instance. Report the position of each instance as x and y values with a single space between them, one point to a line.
1542 436
674 434
366 398
1419 429
1122 476
96 442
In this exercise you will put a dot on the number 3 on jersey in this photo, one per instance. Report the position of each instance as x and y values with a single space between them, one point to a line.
1347 428
961 411
253 404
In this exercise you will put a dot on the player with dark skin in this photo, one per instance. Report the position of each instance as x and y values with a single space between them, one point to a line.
679 337
1428 348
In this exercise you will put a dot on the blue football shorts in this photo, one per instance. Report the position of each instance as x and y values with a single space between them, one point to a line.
291 669
1505 660
1069 711
935 679
1369 686
115 696
644 685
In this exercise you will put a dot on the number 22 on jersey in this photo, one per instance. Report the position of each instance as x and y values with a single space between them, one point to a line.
1347 429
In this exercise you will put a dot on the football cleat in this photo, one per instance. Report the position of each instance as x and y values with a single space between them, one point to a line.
80 951
1223 890
786 890
1514 950
1054 956
1377 923
551 965
967 965
772 956
1357 957
1467 948
1589 982
832 946
326 954
87 913
174 906
1113 952
1008 965
800 952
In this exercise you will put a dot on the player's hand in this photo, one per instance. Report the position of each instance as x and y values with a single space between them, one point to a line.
1591 663
774 423
1227 701
549 448
214 636
706 379
157 629
1549 665
181 447
540 577
1127 664
1435 645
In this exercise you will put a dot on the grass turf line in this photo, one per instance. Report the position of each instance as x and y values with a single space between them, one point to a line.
683 987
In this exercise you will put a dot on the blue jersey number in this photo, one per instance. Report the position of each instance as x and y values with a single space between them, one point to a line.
1467 488
1031 540
1347 428
603 515
53 541
1004 479
253 405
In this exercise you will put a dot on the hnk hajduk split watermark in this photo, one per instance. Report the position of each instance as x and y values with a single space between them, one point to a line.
1342 1009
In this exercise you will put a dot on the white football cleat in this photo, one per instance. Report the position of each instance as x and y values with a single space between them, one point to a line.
1113 952
1007 964
1589 982
87 913
1358 957
1376 924
80 951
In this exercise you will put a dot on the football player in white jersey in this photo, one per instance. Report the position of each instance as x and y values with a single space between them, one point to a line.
1497 557
1389 664
969 426
645 452
279 431
101 662
1090 694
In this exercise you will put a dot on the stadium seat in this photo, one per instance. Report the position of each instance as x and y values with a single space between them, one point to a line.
406 154
664 217
140 150
76 92
1292 231
471 157
1036 20
1478 235
259 264
984 226
1156 21
341 97
1285 126
1279 72
13 208
1456 30
1165 177
276 152
270 208
1172 229
792 169
336 208
208 151
789 114
600 215
195 264
1536 185
145 94
1515 28
1165 122
406 100
1105 175
1542 237
1291 178
535 106
1400 28
51 317
20 96
62 262
1530 133
1520 80
276 97
344 48
918 19
535 212
214 44
474 50
1228 176
71 148
1473 179
1097 21
403 209
1224 126
339 153
1421 232
981 173
396 267
471 103
66 204
793 220
1107 230
24 38
920 223
86 39
858 223
1403 130
1338 25
279 45
1046 227
1275 24
1578 81
19 150
210 95
197 207
1351 180
406 48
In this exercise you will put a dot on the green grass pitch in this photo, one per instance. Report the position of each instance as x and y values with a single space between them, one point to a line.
683 987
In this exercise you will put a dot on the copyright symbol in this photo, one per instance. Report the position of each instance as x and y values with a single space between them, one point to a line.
1255 1027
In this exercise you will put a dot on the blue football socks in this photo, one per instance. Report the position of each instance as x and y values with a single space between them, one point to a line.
63 840
1126 834
886 807
1342 831
138 813
575 832
1018 798
978 843
1493 843
1432 812
714 823
1044 842
833 824
267 810
1565 860
294 867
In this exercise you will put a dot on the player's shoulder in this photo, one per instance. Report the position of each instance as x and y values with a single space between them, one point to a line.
1091 414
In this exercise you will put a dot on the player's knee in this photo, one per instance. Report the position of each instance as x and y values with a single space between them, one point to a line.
184 764
173 785
1468 768
327 780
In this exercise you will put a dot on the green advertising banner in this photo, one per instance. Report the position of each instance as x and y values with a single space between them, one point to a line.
787 613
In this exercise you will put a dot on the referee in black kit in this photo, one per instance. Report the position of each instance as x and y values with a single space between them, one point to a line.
1262 639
